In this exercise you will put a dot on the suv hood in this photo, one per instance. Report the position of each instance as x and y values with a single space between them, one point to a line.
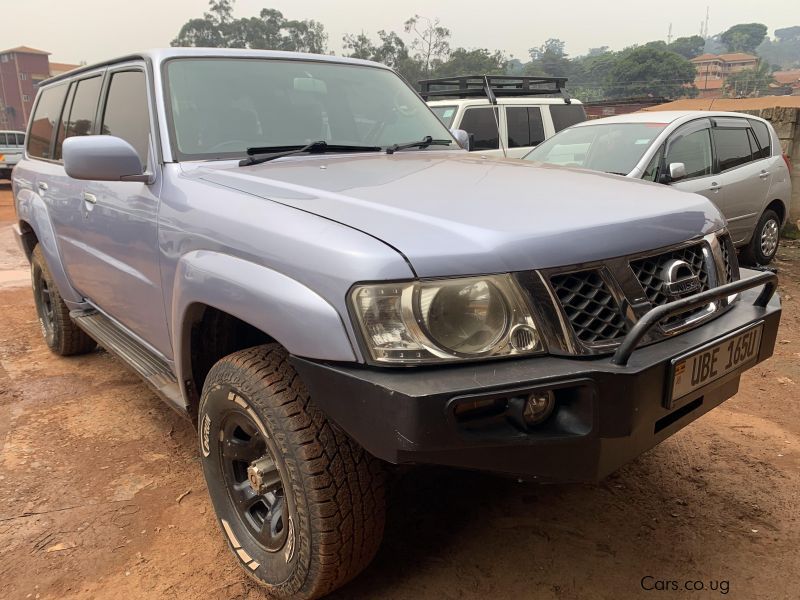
453 213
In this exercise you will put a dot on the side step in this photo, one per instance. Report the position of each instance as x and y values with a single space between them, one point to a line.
147 365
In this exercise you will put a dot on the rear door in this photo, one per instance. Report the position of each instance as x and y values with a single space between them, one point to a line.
743 174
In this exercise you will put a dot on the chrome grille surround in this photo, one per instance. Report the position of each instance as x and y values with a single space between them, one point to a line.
624 287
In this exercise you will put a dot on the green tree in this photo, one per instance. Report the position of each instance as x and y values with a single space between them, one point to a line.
550 59
479 61
688 47
750 82
270 30
359 46
744 37
784 51
643 71
431 41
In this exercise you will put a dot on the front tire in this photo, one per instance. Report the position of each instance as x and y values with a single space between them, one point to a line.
764 244
60 333
301 505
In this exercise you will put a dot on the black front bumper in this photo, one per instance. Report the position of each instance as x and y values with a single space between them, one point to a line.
606 413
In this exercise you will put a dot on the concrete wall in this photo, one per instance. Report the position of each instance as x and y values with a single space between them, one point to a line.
786 121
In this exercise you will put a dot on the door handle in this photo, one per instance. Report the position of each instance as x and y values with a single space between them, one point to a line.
715 186
90 198
764 174
43 186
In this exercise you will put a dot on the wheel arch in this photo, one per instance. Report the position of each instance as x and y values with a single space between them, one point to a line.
223 304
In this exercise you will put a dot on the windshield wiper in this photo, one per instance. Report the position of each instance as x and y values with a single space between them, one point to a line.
262 154
423 143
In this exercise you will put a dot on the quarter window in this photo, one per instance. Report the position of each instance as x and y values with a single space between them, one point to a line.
43 121
480 122
764 138
126 114
566 115
524 124
733 147
694 151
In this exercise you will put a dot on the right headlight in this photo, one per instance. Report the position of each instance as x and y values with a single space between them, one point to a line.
445 320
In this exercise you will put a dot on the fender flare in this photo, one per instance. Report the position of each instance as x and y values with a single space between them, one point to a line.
32 212
292 314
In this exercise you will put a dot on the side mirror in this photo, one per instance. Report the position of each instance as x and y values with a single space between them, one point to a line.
462 137
677 171
102 158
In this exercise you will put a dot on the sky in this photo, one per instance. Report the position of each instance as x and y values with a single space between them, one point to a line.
93 30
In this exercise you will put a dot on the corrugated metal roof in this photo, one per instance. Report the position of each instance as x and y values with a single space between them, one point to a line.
729 104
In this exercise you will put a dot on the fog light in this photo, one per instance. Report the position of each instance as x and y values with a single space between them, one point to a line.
538 407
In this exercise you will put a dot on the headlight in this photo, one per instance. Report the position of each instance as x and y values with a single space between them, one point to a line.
445 320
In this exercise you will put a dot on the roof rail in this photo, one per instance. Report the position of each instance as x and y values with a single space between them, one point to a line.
501 86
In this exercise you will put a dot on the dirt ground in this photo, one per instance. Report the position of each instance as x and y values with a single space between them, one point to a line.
101 494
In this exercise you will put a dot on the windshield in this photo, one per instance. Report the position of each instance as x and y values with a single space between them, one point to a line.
446 114
611 147
221 107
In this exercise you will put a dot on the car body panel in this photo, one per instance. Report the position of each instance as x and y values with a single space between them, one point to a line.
456 231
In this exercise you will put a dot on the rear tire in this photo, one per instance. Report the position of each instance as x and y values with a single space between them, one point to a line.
61 334
764 244
301 504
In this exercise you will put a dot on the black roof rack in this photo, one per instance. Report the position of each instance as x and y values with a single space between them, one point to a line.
487 86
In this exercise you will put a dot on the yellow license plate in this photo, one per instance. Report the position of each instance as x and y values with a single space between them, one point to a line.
712 362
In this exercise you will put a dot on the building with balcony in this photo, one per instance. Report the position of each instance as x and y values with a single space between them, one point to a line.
713 69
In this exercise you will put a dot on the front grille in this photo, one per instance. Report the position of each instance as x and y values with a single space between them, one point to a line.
648 271
592 310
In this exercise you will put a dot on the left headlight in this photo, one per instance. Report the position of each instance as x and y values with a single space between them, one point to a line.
445 320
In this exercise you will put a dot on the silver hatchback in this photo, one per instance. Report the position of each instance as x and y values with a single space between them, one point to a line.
733 159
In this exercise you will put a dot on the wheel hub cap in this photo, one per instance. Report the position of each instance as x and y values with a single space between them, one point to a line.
769 237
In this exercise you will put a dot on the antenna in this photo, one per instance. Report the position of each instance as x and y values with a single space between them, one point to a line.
669 35
705 25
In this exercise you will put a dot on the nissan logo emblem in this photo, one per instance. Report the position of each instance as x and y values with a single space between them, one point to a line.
679 279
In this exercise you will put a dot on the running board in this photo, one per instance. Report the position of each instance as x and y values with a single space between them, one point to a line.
153 369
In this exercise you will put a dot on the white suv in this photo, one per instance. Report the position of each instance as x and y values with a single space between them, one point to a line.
520 116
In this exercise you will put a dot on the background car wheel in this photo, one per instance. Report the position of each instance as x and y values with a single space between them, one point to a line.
301 505
60 333
762 248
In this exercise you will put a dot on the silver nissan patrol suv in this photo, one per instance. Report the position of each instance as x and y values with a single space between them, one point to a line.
295 253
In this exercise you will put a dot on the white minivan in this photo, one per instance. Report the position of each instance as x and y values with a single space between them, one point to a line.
503 115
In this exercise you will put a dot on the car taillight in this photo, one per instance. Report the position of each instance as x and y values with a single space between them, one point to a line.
787 161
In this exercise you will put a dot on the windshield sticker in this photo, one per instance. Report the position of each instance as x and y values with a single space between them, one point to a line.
448 113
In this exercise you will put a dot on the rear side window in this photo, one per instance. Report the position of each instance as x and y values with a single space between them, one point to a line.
480 122
84 108
764 138
524 125
126 114
43 121
79 112
565 115
4 139
733 148
20 139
